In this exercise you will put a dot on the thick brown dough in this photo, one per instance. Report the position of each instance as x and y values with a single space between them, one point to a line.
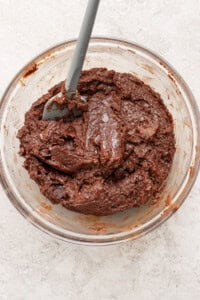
117 155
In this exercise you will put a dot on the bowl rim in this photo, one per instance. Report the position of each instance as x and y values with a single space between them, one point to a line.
135 232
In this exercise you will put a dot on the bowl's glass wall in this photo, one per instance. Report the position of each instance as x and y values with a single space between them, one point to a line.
52 67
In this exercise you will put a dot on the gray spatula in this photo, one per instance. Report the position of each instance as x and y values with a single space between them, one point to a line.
52 111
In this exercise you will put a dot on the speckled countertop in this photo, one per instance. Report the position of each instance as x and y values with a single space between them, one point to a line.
165 264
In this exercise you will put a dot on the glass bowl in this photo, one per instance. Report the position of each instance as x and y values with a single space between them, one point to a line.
50 68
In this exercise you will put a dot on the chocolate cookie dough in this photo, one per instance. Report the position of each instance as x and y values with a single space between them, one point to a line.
115 156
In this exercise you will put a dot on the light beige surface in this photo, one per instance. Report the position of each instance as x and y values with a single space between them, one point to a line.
165 264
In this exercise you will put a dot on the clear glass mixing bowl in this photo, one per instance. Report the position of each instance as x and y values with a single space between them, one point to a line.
48 69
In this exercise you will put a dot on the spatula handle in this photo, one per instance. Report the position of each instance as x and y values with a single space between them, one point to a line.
81 48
